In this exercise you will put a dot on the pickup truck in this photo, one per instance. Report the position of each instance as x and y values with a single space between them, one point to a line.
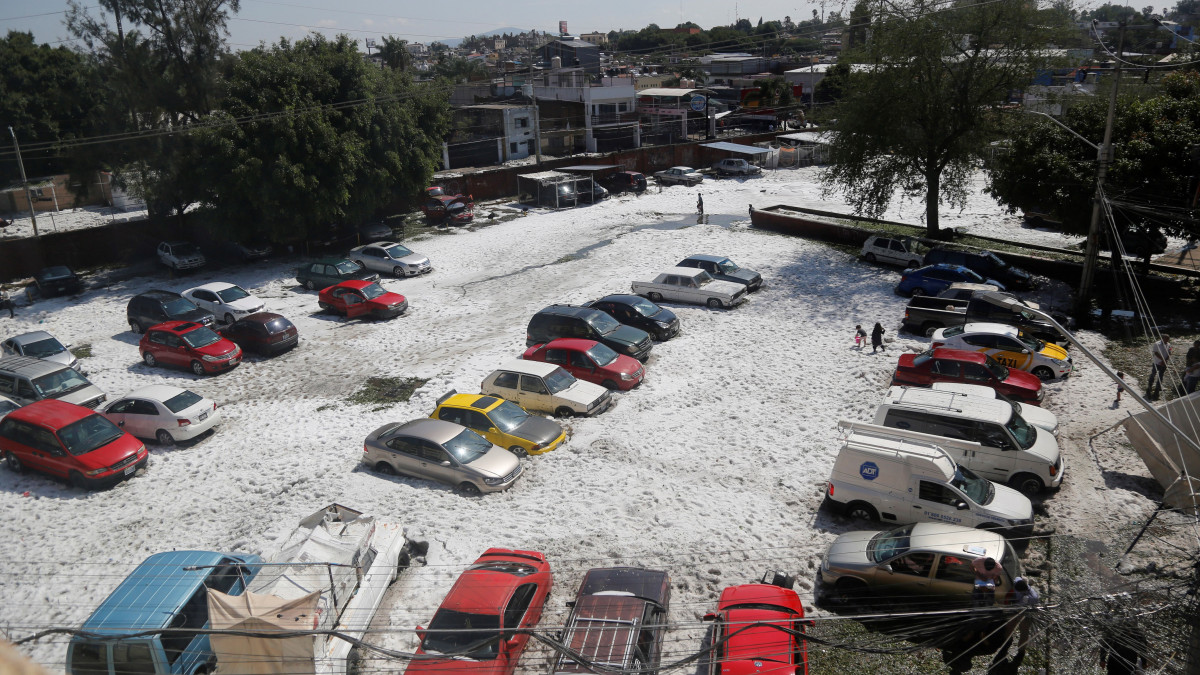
924 315
689 284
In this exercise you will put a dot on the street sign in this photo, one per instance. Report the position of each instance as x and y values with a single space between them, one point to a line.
698 103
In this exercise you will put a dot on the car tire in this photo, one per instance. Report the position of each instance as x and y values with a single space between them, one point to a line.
77 480
310 285
609 385
929 328
385 469
324 306
861 511
1043 373
564 411
164 438
398 272
1027 484
519 451
917 292
469 490
229 319
912 263
654 297
870 257
14 463
198 368
714 303
135 326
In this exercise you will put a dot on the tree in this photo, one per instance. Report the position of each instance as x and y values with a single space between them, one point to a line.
394 53
920 115
331 140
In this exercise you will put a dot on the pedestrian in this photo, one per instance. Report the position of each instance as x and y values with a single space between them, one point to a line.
1025 598
1191 376
1161 353
1193 354
1120 388
877 338
859 336
7 303
987 572
699 203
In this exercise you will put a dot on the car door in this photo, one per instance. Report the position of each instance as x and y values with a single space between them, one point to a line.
976 373
939 502
374 258
534 394
10 347
20 442
207 300
53 457
480 424
945 369
118 413
996 460
437 464
517 614
175 350
898 254
560 357
404 454
142 418
1012 353
583 368
506 386
953 577
355 304
904 576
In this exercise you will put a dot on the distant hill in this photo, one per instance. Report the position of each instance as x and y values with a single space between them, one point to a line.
499 31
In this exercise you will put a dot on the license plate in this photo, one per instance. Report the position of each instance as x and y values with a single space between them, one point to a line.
203 416
130 469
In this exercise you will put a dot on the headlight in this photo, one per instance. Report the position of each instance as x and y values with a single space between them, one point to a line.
1015 523
211 359
626 376
663 324
493 481
96 472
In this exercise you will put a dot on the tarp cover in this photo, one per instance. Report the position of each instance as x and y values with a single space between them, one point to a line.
241 655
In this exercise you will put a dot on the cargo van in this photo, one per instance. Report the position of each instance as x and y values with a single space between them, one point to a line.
1038 417
1006 448
898 476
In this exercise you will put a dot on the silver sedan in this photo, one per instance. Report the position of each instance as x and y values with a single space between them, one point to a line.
391 258
444 452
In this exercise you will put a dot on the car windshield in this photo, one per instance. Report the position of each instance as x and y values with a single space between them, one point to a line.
7 406
727 266
179 306
645 307
1033 344
517 569
89 433
977 489
971 274
232 293
398 251
602 354
1021 430
56 272
559 380
508 416
43 348
185 249
999 371
456 206
921 358
372 291
59 382
278 325
996 260
703 278
953 330
468 446
348 267
201 337
889 544
181 401
453 632
603 323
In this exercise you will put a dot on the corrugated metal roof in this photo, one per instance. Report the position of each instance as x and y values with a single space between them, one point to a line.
736 147
673 91
589 167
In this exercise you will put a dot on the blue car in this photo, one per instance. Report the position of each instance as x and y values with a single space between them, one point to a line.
167 591
933 279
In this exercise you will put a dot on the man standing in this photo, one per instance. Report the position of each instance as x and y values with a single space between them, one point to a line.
699 203
1161 353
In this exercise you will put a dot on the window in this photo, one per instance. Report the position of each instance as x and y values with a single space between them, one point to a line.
433 453
157 337
409 446
143 408
557 356
512 147
25 389
956 569
45 441
533 385
896 245
174 341
121 406
515 610
985 341
476 420
89 658
580 360
317 268
917 563
8 384
506 380
455 415
938 493
521 122
224 577
947 368
974 371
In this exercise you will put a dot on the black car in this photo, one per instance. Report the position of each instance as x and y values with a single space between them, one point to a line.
247 250
636 311
155 306
984 263
618 618
720 267
264 332
571 321
626 181
57 280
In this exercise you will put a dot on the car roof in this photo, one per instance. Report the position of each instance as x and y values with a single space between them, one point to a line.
957 540
177 327
684 271
332 261
624 298
356 284
991 328
569 310
529 367
758 594
263 317
480 402
685 168
945 266
31 337
29 366
155 392
438 431
576 344
51 412
706 257
158 294
950 403
212 286
959 355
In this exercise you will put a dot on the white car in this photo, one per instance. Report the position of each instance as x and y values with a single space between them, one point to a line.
736 167
7 405
679 175
228 302
903 251
1009 345
689 284
164 413
391 258
180 255
545 387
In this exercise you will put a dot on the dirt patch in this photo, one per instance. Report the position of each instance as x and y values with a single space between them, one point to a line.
82 351
384 391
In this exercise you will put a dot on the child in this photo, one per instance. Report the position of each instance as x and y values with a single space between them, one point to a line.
1117 403
859 336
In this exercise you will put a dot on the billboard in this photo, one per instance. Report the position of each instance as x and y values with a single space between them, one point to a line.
562 27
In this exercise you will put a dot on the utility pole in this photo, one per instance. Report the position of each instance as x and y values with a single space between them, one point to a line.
1103 159
24 181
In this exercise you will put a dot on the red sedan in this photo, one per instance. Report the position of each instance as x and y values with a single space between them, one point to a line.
362 298
956 365
502 592
590 361
187 344
758 629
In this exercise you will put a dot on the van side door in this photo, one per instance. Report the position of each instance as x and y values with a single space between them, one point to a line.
997 457
939 503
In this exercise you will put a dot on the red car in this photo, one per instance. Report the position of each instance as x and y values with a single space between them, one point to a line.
751 627
264 332
502 591
590 361
438 206
188 344
956 365
71 442
362 298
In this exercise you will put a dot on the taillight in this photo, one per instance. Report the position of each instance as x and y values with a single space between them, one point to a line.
183 422
214 405
536 447
366 449
831 488
1053 470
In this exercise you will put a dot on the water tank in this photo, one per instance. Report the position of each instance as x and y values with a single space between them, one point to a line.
556 62
527 90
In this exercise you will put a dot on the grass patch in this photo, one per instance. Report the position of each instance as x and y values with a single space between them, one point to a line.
328 406
385 391
83 351
567 258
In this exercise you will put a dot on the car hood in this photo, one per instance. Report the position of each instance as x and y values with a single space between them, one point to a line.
664 315
627 335
107 455
222 347
55 276
744 275
387 300
412 259
250 305
995 283
850 549
197 315
496 463
1010 504
1040 417
582 393
1045 446
82 395
719 286
538 430
1023 380
1053 351
64 357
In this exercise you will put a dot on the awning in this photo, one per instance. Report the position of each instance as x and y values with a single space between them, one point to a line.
737 148
817 137
589 167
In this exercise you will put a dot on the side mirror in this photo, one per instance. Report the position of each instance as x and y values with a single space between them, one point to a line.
421 633
121 423
710 617
962 506
1024 351
445 462
492 430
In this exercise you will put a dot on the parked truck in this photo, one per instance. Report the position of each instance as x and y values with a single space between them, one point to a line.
924 315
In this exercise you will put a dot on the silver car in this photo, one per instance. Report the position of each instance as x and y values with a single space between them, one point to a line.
40 345
444 452
921 562
391 258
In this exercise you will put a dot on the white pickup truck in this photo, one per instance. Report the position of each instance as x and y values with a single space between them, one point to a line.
688 284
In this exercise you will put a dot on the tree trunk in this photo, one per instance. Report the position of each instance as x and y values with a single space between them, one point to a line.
933 184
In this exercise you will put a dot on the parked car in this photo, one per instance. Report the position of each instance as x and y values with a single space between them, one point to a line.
228 301
557 321
248 250
722 268
186 344
362 298
374 231
1009 346
70 442
180 255
625 181
590 361
619 619
131 631
895 250
546 387
162 412
736 167
933 279
955 365
926 564
39 344
924 315
501 595
7 405
638 312
154 307
390 258
965 290
443 452
1038 417
263 332
755 631
686 284
679 175
57 280
502 422
985 264
324 273
25 379
438 207
593 194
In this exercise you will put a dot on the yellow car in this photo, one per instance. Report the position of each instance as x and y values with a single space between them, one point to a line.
502 422
1009 346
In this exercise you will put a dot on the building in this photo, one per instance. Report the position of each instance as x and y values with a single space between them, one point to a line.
572 53
598 39
674 114
582 113
489 134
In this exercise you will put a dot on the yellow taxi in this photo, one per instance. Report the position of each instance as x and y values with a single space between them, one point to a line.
502 422
1009 346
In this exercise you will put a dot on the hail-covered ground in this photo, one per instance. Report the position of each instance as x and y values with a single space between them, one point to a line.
713 469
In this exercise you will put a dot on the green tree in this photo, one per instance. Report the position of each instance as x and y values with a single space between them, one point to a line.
920 116
394 52
322 137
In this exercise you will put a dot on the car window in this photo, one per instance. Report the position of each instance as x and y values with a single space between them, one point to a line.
41 439
580 360
172 340
143 408
477 420
8 384
506 380
1009 344
204 295
408 446
183 400
984 341
975 371
515 610
917 564
937 493
456 415
25 389
896 245
944 367
122 406
558 356
432 452
533 384
317 268
956 569
157 337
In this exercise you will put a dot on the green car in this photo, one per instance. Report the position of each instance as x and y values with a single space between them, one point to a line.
325 273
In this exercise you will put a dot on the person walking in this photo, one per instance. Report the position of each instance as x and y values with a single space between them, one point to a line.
877 338
7 303
1025 598
1120 389
860 336
1161 353
699 203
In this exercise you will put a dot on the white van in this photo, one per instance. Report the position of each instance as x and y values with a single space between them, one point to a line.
900 477
1005 447
1038 417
